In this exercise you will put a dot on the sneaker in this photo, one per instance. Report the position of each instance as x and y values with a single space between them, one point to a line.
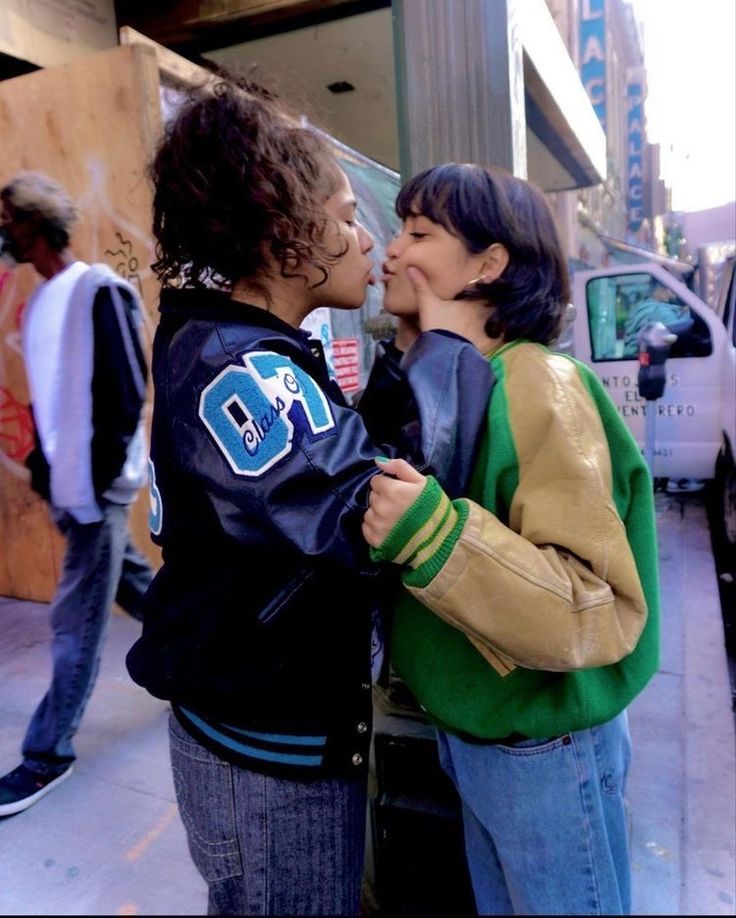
22 787
684 485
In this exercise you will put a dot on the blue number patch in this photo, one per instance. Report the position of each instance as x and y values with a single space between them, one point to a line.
248 411
156 514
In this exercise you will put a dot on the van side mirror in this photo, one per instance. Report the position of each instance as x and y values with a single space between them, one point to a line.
682 327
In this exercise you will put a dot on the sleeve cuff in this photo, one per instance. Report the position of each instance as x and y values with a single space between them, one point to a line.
423 537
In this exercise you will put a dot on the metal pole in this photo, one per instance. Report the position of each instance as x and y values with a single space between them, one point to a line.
650 439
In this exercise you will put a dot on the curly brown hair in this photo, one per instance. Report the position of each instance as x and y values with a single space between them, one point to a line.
240 184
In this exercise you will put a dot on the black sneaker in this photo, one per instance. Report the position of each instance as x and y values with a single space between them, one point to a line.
684 485
22 787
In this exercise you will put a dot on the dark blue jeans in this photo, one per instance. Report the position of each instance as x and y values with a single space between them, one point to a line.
269 846
99 562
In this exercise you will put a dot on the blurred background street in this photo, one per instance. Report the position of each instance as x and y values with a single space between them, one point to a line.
623 112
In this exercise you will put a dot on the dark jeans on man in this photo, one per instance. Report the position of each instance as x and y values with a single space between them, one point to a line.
100 564
135 577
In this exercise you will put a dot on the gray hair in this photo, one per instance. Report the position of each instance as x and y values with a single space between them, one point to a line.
36 193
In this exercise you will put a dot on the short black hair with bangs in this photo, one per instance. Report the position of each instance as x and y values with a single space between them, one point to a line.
482 205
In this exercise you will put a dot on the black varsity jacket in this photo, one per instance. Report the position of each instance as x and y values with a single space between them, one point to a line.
260 617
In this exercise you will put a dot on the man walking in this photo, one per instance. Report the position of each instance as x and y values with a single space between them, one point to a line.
87 377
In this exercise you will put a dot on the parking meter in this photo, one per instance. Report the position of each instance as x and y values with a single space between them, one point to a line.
655 341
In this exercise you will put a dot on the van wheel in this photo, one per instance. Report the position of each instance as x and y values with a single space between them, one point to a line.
726 496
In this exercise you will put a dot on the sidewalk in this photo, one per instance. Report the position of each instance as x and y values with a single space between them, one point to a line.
683 784
110 842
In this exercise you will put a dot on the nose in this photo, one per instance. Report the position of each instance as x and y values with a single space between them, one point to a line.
393 249
366 240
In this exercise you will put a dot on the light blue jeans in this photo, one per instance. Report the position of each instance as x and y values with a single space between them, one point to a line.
546 829
100 564
265 845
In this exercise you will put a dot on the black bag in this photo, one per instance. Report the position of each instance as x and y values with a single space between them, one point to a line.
38 466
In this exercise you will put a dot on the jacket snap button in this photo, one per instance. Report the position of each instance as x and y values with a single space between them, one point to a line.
362 727
357 759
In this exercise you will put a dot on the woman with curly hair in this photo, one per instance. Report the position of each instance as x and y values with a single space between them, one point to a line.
260 624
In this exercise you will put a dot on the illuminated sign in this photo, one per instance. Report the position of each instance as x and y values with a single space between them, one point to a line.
593 54
635 125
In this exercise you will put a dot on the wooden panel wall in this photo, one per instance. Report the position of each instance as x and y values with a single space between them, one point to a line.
92 125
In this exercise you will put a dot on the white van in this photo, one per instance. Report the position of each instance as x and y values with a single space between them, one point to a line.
695 419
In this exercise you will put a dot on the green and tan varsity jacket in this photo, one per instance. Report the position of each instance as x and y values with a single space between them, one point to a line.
533 606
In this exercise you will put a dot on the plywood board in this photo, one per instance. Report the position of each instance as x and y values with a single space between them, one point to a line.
53 32
91 124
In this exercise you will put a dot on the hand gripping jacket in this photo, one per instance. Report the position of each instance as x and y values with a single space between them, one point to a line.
260 617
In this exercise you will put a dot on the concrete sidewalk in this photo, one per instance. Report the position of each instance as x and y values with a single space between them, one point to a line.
110 842
683 784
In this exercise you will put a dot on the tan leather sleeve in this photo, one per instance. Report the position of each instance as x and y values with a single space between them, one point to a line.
558 588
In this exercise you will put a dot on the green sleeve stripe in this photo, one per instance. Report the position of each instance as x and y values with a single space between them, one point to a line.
440 531
407 535
420 576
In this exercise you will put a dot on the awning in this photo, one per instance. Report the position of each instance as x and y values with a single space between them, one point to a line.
558 110
630 253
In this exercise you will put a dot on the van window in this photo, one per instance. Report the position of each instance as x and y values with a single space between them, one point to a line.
620 306
727 297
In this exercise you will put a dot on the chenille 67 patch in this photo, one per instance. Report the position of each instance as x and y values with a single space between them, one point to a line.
254 411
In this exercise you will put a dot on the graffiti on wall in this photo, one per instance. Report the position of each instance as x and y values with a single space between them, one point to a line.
16 427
